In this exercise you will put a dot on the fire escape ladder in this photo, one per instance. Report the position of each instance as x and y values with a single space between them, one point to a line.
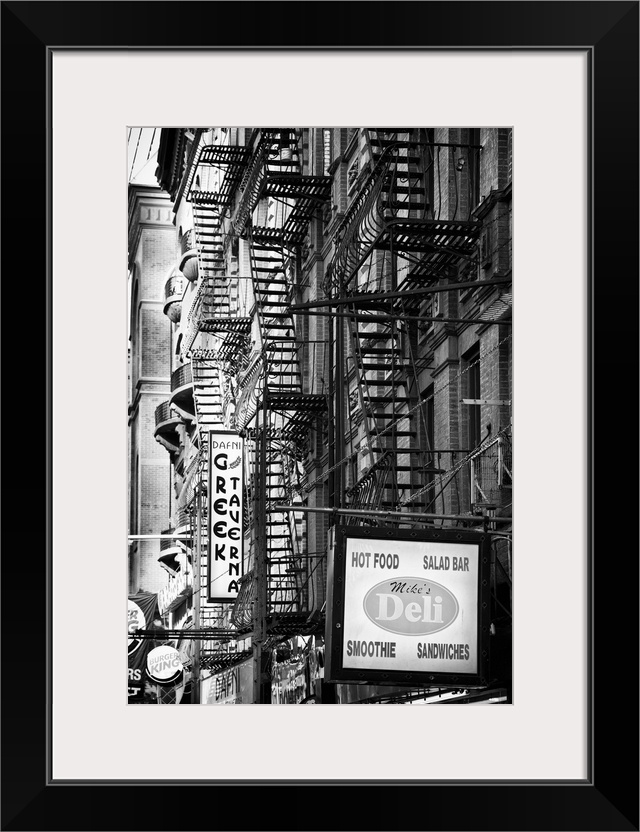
404 192
291 410
212 298
208 235
275 320
216 304
283 565
382 379
207 393
431 462
281 351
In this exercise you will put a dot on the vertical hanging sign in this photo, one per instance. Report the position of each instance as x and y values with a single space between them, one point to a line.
225 509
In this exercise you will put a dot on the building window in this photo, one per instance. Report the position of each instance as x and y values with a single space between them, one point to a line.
474 168
430 309
429 163
472 367
352 174
326 150
485 248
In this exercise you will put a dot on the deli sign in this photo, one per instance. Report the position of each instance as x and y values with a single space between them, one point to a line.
411 606
408 607
225 510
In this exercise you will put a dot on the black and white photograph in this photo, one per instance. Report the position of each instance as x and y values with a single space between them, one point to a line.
320 415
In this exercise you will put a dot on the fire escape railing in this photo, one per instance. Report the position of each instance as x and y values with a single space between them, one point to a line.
273 152
273 381
389 222
490 473
390 213
231 159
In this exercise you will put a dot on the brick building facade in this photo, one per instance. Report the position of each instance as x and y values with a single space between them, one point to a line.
152 250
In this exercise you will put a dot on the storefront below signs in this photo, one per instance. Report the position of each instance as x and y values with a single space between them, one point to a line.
230 687
289 683
297 671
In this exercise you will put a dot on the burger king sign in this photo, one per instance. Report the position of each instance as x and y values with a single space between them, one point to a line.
164 666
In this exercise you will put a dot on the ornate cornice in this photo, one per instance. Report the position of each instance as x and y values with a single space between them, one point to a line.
149 207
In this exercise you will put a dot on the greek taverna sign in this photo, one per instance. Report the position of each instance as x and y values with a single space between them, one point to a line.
225 556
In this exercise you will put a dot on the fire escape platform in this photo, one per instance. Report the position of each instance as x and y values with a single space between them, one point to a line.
234 349
222 155
292 623
242 326
277 236
309 192
232 160
218 661
299 402
296 186
453 237
203 197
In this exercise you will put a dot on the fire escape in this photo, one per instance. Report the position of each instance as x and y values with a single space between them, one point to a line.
391 240
276 597
214 312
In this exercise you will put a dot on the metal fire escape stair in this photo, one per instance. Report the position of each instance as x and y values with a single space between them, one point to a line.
208 235
206 392
391 218
283 383
286 590
289 590
392 213
232 161
212 299
290 411
214 309
275 154
275 172
394 458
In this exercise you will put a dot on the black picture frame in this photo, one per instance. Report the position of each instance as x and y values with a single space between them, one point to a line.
608 799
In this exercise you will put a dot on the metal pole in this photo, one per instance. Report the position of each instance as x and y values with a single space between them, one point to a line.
262 566
404 515
332 417
428 290
339 410
195 684
394 387
386 318
159 537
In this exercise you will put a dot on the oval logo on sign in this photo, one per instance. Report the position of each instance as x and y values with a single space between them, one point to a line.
164 665
411 606
135 621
